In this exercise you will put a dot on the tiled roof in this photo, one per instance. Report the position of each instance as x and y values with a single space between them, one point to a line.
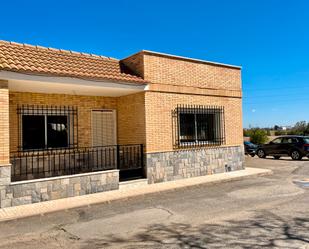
38 60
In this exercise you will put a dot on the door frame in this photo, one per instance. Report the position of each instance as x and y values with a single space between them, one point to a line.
114 111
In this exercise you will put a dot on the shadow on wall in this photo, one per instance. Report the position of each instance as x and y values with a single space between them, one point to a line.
265 230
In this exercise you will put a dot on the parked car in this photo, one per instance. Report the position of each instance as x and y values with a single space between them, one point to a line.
294 146
250 148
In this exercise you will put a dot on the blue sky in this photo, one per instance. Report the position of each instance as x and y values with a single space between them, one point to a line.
269 39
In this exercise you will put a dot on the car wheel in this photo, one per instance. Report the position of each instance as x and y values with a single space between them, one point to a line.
295 155
261 153
277 157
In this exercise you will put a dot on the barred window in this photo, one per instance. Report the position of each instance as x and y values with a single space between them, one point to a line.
46 127
198 126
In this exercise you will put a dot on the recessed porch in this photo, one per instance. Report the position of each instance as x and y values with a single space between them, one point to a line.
64 126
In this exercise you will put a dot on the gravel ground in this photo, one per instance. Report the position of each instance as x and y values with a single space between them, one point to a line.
257 212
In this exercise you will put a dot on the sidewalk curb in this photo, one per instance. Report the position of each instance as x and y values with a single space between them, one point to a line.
41 208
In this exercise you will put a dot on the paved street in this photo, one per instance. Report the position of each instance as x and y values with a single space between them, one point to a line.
269 211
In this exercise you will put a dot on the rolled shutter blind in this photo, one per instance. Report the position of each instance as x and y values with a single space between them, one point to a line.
103 128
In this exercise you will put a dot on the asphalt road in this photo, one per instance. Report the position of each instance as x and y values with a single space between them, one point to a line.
257 212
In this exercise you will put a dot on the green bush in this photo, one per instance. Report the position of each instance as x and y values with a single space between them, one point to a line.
258 136
292 132
280 133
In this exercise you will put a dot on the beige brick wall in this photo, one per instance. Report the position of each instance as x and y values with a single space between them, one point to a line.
131 119
130 114
169 70
4 123
165 70
159 119
141 118
84 104
135 63
175 80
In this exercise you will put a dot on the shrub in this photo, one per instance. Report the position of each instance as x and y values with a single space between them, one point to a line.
279 133
258 136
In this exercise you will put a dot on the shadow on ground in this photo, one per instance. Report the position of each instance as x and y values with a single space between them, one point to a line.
264 230
304 159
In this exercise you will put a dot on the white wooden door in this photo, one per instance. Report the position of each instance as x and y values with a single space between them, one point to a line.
104 130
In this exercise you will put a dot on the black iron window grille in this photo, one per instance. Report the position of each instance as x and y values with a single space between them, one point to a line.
195 125
47 127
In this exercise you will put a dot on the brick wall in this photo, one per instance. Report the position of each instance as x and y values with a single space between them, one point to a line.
4 123
135 63
175 80
131 119
130 114
84 103
170 70
159 118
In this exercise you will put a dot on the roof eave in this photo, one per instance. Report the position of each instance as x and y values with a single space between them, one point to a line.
120 81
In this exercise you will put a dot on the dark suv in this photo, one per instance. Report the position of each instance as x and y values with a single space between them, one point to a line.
294 146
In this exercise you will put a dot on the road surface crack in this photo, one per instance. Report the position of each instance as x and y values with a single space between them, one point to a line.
70 235
166 210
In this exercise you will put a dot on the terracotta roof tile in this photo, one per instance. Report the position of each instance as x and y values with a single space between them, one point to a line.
26 58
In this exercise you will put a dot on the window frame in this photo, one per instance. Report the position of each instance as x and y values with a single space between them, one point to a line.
218 126
48 111
197 124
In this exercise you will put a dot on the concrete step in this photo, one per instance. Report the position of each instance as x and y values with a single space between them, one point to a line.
133 184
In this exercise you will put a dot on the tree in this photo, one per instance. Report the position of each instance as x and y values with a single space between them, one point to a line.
300 127
258 136
307 130
246 133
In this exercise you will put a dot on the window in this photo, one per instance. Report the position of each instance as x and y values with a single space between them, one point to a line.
41 131
289 140
47 127
33 132
277 141
198 125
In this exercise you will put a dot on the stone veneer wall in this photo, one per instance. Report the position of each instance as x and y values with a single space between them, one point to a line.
168 166
32 191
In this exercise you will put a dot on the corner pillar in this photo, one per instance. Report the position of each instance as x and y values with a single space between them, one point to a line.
5 166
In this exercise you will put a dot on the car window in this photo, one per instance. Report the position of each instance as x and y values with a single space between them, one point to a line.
306 140
289 140
286 140
277 141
